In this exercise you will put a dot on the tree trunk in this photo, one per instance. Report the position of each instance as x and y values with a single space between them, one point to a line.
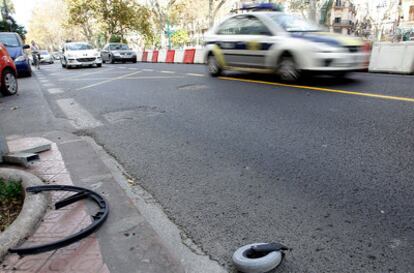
210 13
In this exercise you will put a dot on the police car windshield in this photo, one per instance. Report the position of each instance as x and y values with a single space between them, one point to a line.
294 24
79 46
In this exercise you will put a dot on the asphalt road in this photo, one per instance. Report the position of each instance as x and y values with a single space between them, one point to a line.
327 171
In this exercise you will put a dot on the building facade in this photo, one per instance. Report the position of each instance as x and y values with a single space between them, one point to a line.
406 24
342 16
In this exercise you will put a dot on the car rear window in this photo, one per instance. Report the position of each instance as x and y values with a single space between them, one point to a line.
9 40
79 46
119 47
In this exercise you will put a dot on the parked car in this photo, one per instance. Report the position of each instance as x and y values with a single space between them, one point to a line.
8 73
118 52
46 57
281 43
80 54
15 47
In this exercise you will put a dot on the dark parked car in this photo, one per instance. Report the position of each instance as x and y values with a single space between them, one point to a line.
15 47
117 52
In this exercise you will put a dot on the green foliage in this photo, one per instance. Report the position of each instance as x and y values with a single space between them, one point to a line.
116 17
9 4
116 39
180 38
13 27
10 189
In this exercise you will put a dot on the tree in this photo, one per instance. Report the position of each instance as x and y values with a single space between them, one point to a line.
213 8
9 6
180 38
8 23
120 17
81 14
302 6
13 27
48 26
110 17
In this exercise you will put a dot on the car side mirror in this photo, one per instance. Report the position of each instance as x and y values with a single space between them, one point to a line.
26 47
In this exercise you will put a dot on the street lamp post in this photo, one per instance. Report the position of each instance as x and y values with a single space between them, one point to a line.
168 31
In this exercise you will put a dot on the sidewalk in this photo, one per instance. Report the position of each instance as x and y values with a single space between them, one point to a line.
136 237
128 242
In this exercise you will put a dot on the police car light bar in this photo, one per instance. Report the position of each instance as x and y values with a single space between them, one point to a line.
262 6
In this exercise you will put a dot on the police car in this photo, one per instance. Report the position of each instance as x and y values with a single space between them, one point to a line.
282 43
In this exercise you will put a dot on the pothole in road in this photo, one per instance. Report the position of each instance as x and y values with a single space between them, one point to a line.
192 87
139 113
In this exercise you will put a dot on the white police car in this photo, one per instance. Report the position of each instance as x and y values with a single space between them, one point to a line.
281 43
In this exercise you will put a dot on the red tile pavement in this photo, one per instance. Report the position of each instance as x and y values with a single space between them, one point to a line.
83 256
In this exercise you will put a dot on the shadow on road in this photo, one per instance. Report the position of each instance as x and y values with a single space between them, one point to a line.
328 81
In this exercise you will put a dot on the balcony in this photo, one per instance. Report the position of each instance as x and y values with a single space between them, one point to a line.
341 6
342 23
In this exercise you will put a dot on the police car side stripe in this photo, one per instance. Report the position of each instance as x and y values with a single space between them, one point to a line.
240 45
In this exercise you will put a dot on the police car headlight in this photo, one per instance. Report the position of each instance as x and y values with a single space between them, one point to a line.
71 56
20 59
117 54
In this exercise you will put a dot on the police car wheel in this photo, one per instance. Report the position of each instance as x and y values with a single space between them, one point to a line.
288 70
213 67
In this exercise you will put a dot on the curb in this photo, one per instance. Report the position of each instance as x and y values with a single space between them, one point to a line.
34 207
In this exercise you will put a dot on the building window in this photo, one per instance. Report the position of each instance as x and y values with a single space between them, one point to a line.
411 13
338 3
337 20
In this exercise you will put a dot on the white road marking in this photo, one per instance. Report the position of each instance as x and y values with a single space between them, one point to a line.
148 70
77 115
87 79
123 67
48 85
167 72
108 80
154 77
133 68
195 74
54 90
100 70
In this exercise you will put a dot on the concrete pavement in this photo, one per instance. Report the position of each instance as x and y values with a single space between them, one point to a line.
233 162
129 241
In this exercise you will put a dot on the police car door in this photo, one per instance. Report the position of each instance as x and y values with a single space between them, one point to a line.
256 39
230 41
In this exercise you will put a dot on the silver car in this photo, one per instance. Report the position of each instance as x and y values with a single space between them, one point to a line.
118 52
46 57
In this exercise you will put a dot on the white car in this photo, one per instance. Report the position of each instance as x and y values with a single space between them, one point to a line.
79 54
45 57
283 44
